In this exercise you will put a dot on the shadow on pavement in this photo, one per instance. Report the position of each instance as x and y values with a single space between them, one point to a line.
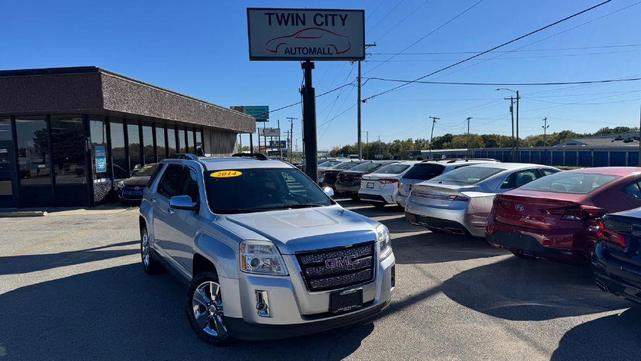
39 262
527 290
615 337
122 314
430 247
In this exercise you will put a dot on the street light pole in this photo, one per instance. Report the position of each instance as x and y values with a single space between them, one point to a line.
518 97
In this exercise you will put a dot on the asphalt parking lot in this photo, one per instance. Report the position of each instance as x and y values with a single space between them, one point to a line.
72 288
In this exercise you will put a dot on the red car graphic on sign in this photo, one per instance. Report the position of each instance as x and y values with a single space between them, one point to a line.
340 44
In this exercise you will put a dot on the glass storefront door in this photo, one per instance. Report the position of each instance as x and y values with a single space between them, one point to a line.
34 172
69 161
7 165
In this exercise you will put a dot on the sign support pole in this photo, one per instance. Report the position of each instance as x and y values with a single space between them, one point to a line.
309 121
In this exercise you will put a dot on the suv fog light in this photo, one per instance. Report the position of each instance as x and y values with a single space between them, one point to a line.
262 304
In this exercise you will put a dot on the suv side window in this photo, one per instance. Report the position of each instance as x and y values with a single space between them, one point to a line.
520 178
171 184
190 186
634 190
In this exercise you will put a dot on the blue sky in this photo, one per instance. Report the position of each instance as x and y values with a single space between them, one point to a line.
200 48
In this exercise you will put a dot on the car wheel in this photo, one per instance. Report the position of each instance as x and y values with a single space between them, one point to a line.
205 309
523 256
149 263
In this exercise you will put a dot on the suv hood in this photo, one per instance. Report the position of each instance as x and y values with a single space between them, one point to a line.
306 229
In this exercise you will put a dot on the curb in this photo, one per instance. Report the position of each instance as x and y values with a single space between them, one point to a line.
17 214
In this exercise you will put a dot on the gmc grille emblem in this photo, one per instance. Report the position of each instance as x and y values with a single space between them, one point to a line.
337 262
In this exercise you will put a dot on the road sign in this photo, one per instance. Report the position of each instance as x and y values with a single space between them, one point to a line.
259 112
306 34
269 132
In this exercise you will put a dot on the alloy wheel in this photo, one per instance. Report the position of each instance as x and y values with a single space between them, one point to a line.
207 307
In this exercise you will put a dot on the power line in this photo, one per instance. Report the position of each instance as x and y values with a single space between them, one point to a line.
515 50
427 35
601 81
489 50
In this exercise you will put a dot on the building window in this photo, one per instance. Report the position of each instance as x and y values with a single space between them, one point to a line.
190 139
200 149
6 159
172 147
148 144
134 145
99 148
34 172
118 150
182 139
160 141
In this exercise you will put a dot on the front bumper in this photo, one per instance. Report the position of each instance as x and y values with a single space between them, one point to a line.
456 221
293 309
401 200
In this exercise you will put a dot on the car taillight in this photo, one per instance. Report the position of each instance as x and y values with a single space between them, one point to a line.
457 197
388 181
581 213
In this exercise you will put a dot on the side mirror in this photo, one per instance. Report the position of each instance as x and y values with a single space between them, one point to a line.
328 191
183 202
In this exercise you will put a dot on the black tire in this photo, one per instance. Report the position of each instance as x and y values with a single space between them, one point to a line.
150 265
523 256
208 330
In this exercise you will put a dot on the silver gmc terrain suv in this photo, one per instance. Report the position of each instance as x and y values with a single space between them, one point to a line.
266 251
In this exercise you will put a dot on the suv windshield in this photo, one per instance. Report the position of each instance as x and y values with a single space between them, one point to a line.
569 182
393 169
145 171
424 171
261 189
467 175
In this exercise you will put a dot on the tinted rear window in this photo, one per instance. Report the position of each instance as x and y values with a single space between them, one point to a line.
570 182
424 171
468 175
346 165
366 167
393 169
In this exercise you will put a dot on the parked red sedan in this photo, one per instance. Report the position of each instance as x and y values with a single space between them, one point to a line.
559 216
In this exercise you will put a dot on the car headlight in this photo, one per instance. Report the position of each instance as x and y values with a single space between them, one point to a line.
261 257
383 241
120 184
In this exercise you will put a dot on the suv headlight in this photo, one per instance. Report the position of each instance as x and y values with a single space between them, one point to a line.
261 257
383 241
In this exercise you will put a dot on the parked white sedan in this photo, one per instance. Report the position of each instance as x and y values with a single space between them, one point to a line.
381 188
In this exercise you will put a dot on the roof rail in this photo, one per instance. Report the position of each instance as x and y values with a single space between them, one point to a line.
188 156
257 156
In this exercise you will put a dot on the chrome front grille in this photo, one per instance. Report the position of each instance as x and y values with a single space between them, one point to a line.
338 267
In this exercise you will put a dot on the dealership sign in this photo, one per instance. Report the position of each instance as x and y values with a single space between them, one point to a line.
269 132
306 34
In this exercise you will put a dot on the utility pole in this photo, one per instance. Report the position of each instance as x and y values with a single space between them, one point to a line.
280 149
359 101
639 161
518 97
511 99
545 127
291 136
434 119
468 134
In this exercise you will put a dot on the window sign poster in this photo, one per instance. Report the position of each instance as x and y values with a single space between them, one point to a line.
100 155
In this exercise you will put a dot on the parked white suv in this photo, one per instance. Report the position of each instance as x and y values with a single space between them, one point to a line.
266 251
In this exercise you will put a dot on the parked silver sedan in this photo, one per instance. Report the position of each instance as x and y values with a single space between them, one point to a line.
459 201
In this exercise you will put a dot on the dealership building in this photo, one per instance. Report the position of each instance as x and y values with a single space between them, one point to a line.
67 135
